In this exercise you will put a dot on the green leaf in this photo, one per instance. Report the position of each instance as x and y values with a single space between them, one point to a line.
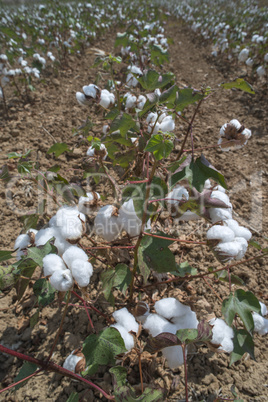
152 80
169 96
29 221
255 244
44 291
159 146
58 149
127 394
154 254
6 255
122 123
7 277
201 173
243 343
120 375
186 97
25 167
34 319
121 39
174 166
112 114
120 278
239 83
184 269
26 370
158 55
101 349
224 277
241 303
38 253
74 397
25 267
187 335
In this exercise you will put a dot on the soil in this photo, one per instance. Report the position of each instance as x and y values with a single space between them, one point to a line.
53 116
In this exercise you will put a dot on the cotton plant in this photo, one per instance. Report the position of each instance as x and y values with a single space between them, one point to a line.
233 135
97 151
92 93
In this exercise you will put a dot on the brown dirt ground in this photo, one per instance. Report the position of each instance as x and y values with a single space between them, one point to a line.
55 110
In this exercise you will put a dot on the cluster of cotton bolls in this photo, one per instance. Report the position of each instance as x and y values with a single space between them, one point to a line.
233 135
111 221
244 58
132 101
91 92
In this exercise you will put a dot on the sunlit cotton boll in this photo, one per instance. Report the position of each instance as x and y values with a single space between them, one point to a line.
239 231
221 233
62 280
127 338
171 307
71 362
243 55
261 71
233 136
130 101
249 62
129 219
81 99
126 319
70 222
82 272
141 102
230 250
106 224
167 124
187 320
43 235
102 152
220 214
85 204
52 263
222 334
22 242
107 98
90 90
131 80
156 324
73 253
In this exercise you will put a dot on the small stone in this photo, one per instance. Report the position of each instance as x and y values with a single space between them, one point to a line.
15 132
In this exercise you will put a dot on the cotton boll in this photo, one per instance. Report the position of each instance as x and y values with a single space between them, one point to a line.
72 360
221 233
22 241
62 280
220 188
129 219
222 197
82 272
85 204
174 356
220 214
239 231
90 90
106 98
73 253
220 330
107 224
141 102
260 324
227 251
167 124
126 319
44 235
249 62
81 99
130 101
156 324
127 338
153 128
61 244
176 195
243 245
187 320
260 71
70 223
263 309
227 345
243 55
52 263
102 152
235 123
171 307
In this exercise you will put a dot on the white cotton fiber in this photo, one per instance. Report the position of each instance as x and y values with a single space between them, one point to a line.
82 272
127 338
174 356
129 219
156 324
73 253
188 320
227 345
239 231
70 222
243 245
263 309
167 124
222 197
220 330
106 224
52 263
260 324
84 203
228 251
177 194
62 280
221 233
22 241
126 319
61 244
171 307
43 235
71 362
220 214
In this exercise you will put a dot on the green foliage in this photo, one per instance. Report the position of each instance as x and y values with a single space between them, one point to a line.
160 146
159 56
186 97
123 123
6 255
101 349
239 83
118 278
59 148
241 303
74 397
243 343
7 278
37 254
44 291
152 80
26 370
184 269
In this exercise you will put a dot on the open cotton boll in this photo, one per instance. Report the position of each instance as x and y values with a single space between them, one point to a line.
62 280
220 330
85 204
228 251
22 241
107 224
130 101
129 219
126 319
127 338
263 309
82 272
141 102
106 98
171 307
73 253
220 188
102 152
220 214
167 124
221 233
260 71
176 195
249 62
227 345
260 324
156 324
243 245
187 320
43 235
70 222
239 231
90 90
222 197
61 244
52 263
243 55
71 361
174 356
81 99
